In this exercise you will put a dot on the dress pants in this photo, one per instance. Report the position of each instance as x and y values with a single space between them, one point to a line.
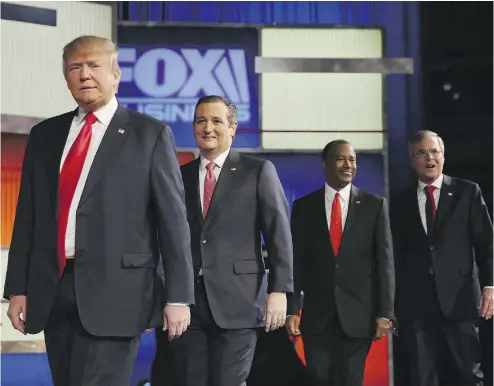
77 358
442 352
207 355
334 358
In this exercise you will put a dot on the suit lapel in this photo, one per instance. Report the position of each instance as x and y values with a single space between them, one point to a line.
447 199
57 144
229 170
414 210
191 182
321 222
116 134
352 215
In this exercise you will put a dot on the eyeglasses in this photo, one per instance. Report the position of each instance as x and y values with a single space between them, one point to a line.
425 152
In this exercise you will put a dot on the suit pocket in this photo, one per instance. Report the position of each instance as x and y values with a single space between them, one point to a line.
138 260
247 266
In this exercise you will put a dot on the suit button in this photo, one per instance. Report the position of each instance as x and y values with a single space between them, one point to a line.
337 266
431 247
203 241
337 288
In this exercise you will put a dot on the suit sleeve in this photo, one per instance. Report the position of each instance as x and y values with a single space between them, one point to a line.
396 232
275 227
384 263
482 235
16 278
299 248
173 230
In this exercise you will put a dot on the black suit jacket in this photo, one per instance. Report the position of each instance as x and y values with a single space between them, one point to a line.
461 244
132 207
358 285
248 200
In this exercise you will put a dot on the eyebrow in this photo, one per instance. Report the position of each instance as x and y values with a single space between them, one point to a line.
202 117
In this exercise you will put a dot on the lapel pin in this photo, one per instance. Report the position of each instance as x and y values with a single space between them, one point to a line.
357 202
233 169
450 194
121 131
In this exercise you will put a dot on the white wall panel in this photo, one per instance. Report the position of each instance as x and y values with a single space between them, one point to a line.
299 102
32 83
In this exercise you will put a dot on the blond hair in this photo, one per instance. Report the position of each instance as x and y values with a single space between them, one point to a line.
85 43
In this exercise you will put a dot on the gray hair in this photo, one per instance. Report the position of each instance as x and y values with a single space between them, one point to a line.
419 136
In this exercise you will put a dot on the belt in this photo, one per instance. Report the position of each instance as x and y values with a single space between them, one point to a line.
69 257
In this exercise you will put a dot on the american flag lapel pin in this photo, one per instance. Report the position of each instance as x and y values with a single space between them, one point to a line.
121 131
233 169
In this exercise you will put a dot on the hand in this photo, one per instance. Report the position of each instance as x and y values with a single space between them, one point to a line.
176 319
486 303
382 327
149 330
17 312
275 315
292 324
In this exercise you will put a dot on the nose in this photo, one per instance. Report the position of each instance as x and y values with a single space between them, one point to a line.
347 164
85 75
429 156
208 127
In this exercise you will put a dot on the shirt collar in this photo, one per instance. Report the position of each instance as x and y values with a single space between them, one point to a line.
219 161
104 114
438 183
344 193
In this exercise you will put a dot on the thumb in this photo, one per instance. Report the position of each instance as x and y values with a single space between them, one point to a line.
165 324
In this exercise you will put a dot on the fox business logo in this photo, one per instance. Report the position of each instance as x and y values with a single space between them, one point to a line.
171 81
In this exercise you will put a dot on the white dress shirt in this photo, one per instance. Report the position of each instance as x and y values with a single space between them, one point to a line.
329 193
422 198
104 115
219 162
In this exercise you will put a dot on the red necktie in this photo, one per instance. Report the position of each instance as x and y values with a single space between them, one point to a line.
430 213
336 227
209 184
430 191
68 179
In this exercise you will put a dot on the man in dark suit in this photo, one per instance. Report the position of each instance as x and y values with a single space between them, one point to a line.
231 200
343 262
442 235
101 196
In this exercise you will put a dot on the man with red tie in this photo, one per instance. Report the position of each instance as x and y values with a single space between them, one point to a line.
343 263
443 238
101 198
232 199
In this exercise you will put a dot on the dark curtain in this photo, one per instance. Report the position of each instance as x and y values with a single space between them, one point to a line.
361 13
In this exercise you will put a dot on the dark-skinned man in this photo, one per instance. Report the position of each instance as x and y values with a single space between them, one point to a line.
343 262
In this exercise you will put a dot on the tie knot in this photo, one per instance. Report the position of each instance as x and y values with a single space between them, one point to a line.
91 118
336 196
430 189
210 166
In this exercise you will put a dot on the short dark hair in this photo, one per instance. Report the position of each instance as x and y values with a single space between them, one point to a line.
232 109
419 136
331 147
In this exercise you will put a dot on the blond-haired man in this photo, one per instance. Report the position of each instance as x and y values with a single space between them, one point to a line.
101 196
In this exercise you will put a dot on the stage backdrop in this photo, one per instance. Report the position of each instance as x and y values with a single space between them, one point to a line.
166 69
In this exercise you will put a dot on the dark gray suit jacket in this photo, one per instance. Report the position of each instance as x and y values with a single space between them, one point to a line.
132 208
248 200
358 285
460 250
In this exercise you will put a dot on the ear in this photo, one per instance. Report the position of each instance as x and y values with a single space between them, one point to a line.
233 129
